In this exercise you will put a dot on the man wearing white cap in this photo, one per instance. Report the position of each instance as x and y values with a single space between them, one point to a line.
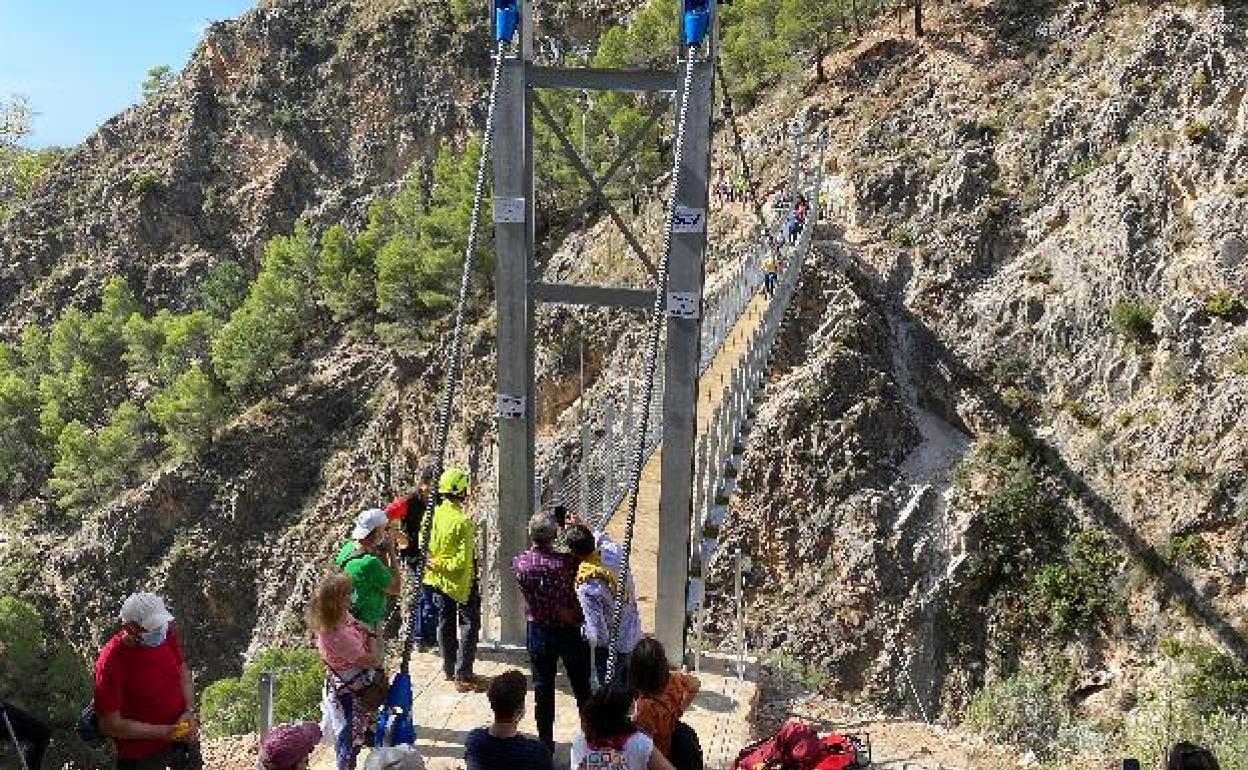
144 696
371 559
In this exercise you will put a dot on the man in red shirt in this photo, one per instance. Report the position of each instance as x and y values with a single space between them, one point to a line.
144 696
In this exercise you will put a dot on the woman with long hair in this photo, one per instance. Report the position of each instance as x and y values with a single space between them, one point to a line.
344 646
663 696
610 740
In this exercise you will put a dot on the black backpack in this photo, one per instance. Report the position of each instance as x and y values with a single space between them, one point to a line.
88 726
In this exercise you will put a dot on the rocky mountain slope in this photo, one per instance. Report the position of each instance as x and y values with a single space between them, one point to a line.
298 111
1005 429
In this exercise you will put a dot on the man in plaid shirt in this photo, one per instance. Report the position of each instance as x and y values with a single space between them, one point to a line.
554 622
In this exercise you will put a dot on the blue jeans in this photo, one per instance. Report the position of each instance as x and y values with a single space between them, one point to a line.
548 645
344 742
458 642
620 681
425 629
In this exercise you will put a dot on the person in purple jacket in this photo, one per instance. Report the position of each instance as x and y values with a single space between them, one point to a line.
554 618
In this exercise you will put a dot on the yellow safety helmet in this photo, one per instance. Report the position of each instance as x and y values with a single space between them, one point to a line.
453 482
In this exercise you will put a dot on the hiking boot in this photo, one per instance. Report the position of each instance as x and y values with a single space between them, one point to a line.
472 683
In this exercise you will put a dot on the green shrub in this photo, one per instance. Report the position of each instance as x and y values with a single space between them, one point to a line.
1224 305
1009 369
1081 414
1239 363
1022 710
1187 550
1189 468
1211 680
143 185
901 237
63 677
1133 320
1177 705
1197 131
1073 592
230 706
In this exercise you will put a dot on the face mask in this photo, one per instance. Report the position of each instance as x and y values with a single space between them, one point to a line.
154 638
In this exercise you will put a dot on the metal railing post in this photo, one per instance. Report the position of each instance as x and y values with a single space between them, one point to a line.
267 683
739 592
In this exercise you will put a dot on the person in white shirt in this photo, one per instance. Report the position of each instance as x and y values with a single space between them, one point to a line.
609 740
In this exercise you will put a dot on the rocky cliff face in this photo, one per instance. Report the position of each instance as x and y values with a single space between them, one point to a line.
299 111
1031 280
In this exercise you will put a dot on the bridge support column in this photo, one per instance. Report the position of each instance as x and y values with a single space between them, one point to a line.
680 394
513 236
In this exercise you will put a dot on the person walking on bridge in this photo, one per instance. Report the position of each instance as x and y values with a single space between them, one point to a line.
771 275
546 580
144 694
370 558
596 583
450 570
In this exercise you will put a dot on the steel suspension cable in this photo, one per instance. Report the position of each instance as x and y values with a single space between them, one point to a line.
652 352
455 364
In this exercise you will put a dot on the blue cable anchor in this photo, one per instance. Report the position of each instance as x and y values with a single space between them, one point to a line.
506 19
696 19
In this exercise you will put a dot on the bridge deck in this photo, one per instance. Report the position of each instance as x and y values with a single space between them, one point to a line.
645 553
719 714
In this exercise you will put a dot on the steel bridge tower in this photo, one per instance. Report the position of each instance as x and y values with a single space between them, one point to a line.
519 291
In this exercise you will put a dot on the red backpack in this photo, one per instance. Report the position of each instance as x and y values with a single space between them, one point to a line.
839 752
795 746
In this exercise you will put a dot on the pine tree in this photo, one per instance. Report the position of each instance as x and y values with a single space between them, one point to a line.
263 334
91 467
145 338
418 266
187 343
188 411
23 451
346 274
223 289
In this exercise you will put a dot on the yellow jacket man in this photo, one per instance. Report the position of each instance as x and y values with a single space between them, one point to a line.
451 573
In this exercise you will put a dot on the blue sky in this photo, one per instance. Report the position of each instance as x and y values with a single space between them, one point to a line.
82 61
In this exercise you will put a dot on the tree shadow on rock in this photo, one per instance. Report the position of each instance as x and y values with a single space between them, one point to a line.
1173 583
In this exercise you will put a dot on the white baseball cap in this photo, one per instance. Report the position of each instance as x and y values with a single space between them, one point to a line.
367 521
147 610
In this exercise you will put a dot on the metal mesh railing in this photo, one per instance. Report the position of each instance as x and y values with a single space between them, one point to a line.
717 459
594 482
